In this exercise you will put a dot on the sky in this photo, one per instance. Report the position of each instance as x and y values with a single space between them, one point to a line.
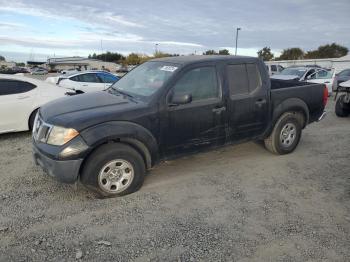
38 29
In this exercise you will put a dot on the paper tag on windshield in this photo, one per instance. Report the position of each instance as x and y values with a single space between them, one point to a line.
168 68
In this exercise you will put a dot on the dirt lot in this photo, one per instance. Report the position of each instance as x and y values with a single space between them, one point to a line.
236 203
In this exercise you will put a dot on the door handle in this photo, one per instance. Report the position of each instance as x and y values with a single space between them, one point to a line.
85 85
23 97
327 82
260 102
218 110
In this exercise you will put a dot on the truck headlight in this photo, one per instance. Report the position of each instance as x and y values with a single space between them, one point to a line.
60 135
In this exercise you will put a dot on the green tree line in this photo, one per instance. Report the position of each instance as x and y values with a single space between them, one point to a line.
295 53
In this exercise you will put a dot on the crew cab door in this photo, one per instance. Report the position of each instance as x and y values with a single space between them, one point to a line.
200 121
248 110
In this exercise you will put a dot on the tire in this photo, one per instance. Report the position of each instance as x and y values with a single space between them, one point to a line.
113 169
31 119
285 135
340 108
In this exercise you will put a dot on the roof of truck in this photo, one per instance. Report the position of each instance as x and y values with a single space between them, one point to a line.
203 58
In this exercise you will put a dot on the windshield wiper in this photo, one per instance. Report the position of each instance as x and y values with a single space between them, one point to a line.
123 93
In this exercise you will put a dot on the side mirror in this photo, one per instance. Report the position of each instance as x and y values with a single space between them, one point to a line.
181 99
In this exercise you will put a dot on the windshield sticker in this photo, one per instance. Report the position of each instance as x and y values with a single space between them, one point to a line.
168 68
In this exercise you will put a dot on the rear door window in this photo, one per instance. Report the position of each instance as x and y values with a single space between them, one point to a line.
237 79
107 78
243 78
87 78
254 77
11 87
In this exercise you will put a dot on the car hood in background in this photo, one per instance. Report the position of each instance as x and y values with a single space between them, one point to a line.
285 77
345 84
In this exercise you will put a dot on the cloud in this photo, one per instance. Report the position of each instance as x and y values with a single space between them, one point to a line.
11 26
178 26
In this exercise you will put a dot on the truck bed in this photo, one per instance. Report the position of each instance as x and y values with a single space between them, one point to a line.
310 93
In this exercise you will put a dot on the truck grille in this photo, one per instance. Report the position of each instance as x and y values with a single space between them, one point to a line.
41 130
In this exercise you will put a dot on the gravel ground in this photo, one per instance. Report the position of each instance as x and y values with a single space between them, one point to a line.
239 203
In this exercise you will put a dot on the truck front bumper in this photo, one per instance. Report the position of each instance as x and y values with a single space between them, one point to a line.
66 171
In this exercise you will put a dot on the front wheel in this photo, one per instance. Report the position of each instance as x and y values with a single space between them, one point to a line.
114 169
285 135
31 119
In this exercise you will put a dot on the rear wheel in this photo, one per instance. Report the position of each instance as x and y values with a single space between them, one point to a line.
114 169
285 135
341 109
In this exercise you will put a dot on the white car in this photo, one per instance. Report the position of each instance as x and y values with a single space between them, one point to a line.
39 71
308 74
87 81
274 69
20 97
323 76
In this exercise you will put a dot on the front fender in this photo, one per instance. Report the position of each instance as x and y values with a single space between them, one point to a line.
127 132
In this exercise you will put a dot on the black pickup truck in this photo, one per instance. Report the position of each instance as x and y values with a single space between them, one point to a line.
169 107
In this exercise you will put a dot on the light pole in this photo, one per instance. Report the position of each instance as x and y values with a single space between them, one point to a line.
156 47
238 28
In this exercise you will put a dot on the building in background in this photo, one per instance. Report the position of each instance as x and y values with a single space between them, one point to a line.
32 64
338 64
80 63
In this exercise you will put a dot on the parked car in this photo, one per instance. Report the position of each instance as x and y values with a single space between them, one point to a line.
323 76
70 71
20 98
122 69
169 107
274 69
341 77
87 81
295 73
39 71
310 74
342 106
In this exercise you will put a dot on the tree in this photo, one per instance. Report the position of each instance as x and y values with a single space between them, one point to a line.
265 54
2 58
210 52
294 53
328 51
108 57
133 59
20 64
224 52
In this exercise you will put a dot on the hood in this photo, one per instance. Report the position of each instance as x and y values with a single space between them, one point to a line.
285 77
81 111
345 84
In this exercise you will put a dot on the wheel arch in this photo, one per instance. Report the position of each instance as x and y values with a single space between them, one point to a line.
291 105
31 115
124 132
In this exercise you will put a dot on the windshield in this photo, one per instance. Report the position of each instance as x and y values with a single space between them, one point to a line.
145 79
293 71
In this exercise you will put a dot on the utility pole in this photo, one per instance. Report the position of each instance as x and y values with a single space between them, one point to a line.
238 28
